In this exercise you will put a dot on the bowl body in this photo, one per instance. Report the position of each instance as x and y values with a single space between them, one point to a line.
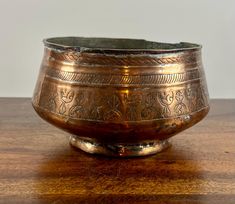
119 96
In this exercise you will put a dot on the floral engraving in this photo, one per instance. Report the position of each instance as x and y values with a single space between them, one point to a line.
66 97
132 103
166 99
78 110
113 112
191 96
135 105
180 107
149 110
49 99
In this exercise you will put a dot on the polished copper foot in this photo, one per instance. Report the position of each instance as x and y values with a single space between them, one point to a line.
119 150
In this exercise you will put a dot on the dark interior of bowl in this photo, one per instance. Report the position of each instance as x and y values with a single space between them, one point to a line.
115 44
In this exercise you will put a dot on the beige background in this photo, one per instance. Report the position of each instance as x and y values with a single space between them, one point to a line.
24 23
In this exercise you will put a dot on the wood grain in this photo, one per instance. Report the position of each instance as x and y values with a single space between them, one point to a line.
37 165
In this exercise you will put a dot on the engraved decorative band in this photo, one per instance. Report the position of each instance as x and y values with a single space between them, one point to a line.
124 60
82 78
85 104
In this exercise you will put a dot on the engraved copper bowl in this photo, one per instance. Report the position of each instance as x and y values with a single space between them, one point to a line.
120 97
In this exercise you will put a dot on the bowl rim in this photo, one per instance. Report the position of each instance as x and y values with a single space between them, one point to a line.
138 45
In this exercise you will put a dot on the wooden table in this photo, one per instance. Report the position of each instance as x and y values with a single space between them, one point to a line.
37 165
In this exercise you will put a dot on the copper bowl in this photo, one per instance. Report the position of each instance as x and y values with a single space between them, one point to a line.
121 97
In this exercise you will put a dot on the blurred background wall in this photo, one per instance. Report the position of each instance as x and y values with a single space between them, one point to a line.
24 23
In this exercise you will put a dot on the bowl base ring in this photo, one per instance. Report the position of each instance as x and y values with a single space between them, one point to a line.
119 150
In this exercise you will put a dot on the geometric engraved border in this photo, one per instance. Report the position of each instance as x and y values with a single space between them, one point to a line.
82 78
137 60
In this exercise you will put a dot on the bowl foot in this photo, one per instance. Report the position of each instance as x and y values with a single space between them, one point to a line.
119 150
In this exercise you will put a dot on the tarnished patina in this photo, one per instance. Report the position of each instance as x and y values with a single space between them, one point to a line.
121 97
